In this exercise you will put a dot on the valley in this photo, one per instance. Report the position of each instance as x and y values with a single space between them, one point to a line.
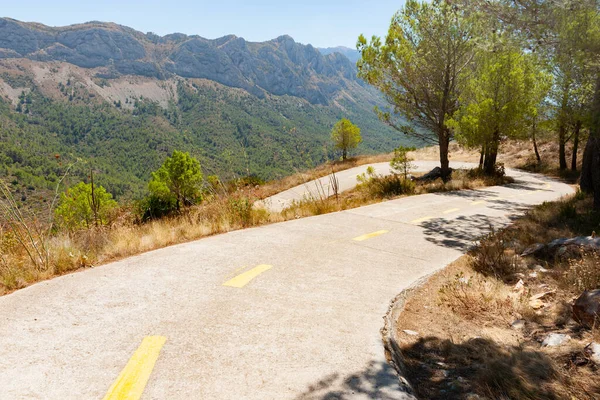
104 98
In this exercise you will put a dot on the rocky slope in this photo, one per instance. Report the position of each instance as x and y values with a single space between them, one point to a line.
104 96
280 66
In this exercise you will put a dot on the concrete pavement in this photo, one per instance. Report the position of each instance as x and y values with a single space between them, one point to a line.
285 311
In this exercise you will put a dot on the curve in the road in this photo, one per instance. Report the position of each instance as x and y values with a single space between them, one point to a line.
346 179
284 311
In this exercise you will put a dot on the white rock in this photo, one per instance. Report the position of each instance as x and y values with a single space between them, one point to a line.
555 339
533 275
593 350
518 324
520 286
411 333
539 268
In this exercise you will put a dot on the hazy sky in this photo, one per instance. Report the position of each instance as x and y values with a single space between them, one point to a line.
322 23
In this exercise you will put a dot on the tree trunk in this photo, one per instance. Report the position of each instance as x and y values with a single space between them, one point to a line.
481 157
590 169
94 203
491 154
344 154
562 128
535 146
562 140
444 160
575 146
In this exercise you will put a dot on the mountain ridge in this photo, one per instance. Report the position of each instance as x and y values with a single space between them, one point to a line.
242 108
279 66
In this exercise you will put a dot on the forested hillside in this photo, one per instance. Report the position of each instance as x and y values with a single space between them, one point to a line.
79 95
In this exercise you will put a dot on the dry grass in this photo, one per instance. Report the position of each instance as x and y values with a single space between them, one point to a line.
67 252
464 316
379 188
300 178
480 298
86 248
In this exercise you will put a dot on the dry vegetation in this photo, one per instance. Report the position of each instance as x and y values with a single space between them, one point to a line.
482 320
125 236
300 178
380 188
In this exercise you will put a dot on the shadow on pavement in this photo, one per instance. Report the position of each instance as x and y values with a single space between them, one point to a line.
462 232
376 381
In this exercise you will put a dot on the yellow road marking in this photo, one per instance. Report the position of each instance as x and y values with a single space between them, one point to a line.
478 202
133 379
234 273
451 210
243 279
369 235
418 221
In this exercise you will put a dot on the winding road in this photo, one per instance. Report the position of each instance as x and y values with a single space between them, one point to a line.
285 311
346 180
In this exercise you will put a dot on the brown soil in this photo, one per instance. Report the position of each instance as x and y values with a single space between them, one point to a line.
466 345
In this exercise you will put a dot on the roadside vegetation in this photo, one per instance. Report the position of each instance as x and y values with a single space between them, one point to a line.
87 227
500 322
506 321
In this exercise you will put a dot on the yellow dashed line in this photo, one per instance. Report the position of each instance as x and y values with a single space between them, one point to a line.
452 210
234 273
243 279
418 221
478 202
133 379
369 235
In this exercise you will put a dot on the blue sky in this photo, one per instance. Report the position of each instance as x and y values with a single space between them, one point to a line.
321 23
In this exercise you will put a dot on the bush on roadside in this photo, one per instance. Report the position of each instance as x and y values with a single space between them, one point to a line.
380 186
491 258
583 273
156 207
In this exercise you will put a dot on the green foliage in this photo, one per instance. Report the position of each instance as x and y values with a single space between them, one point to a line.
417 68
504 88
232 133
380 186
402 162
177 181
345 136
155 207
79 209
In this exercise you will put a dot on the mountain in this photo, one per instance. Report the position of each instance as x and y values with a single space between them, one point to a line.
116 101
352 54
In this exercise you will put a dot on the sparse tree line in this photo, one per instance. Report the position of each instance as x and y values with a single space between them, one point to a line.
481 71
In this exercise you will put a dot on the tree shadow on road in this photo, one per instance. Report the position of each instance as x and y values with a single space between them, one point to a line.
462 232
377 380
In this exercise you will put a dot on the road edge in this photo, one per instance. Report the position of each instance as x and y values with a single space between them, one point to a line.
393 354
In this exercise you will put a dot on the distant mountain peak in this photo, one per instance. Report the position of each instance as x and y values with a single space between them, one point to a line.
352 54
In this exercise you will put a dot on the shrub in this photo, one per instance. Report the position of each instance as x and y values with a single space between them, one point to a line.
379 186
401 161
83 206
154 207
178 181
240 210
491 257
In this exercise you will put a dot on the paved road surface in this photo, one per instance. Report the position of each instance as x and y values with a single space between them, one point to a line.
346 181
286 311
